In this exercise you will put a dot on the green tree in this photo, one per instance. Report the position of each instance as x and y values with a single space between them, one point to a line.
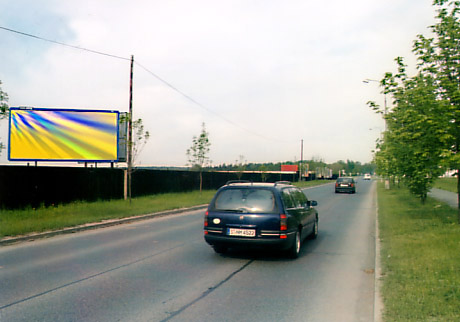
337 167
263 169
139 139
3 109
140 136
414 140
197 154
440 58
423 127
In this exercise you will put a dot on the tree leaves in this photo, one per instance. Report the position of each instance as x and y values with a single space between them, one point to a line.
198 153
423 126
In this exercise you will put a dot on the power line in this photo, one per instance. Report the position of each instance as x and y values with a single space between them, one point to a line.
145 69
63 44
199 104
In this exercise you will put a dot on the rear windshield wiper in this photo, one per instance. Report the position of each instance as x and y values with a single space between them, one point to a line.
232 210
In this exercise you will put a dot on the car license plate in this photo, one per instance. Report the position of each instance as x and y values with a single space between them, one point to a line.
344 185
241 232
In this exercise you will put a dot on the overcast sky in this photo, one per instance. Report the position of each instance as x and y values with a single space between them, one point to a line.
266 73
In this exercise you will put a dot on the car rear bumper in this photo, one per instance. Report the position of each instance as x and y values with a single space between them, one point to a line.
345 189
227 241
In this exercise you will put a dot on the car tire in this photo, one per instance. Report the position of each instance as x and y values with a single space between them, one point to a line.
220 249
294 250
314 232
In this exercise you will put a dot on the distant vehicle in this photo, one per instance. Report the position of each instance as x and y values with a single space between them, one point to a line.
345 184
268 215
367 176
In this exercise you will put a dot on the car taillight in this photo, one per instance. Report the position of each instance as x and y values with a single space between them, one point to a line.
283 222
206 219
351 185
336 185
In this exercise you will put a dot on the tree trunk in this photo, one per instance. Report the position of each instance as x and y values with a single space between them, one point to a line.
201 181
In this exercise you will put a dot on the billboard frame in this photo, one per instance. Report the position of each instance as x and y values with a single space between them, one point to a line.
117 113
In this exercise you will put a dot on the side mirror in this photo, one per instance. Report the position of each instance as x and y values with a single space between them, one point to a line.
311 203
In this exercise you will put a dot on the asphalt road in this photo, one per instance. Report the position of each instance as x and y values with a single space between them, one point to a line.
162 270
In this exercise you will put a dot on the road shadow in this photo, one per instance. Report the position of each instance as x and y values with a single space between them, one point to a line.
271 255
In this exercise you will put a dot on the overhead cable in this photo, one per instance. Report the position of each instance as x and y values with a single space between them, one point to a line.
198 103
63 44
145 69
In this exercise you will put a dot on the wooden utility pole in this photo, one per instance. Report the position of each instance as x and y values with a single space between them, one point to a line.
130 131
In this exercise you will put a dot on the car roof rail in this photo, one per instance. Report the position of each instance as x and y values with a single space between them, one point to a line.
282 182
237 181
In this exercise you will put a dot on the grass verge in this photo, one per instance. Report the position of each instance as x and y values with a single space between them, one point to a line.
449 184
306 184
21 222
420 258
31 220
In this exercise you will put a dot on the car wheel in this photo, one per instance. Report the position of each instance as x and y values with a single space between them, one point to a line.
314 232
294 250
220 249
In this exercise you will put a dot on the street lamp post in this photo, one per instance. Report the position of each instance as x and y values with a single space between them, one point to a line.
385 108
385 111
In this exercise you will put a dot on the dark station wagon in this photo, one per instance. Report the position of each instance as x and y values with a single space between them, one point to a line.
268 215
345 184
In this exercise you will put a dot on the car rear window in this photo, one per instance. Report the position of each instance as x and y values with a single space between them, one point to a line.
245 200
345 180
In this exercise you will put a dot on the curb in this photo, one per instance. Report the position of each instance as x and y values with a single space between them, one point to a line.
106 223
378 301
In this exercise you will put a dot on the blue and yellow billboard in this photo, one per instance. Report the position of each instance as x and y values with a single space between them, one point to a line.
46 134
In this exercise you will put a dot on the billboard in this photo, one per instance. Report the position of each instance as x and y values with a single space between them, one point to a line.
47 134
289 167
